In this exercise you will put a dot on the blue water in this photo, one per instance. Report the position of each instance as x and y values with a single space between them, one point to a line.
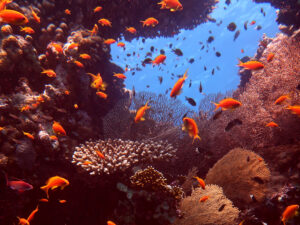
224 79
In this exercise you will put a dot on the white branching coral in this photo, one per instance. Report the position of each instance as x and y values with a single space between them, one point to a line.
109 156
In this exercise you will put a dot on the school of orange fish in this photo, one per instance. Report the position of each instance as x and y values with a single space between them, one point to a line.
189 125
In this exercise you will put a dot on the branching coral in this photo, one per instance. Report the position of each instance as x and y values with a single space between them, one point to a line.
241 170
118 155
209 212
151 179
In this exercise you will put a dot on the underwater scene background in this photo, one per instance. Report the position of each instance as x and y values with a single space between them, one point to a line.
130 112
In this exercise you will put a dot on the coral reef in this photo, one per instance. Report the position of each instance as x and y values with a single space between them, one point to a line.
151 179
217 209
119 155
241 170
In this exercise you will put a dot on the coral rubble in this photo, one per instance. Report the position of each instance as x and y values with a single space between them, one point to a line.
119 155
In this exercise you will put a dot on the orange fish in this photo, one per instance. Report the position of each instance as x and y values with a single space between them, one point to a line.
85 56
12 17
3 4
242 51
40 99
53 138
25 108
289 212
75 106
55 182
270 56
35 16
97 9
295 109
173 5
121 44
94 31
151 21
27 30
58 129
86 163
57 47
141 112
204 198
49 73
101 94
109 41
241 223
73 45
67 92
67 11
178 85
191 127
110 222
120 76
131 30
32 214
281 99
201 182
227 103
252 22
97 82
1 128
19 185
79 64
272 124
104 22
43 200
251 65
23 221
62 201
28 135
100 154
159 59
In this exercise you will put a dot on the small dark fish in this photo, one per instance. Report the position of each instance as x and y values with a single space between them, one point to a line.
190 84
222 207
218 54
133 53
138 69
233 123
133 73
228 2
143 40
192 60
213 71
118 57
147 61
148 54
231 26
133 91
160 78
258 180
210 39
200 42
185 114
200 88
213 20
162 52
246 25
178 52
128 54
209 31
147 86
236 35
218 68
205 68
141 48
202 47
170 45
258 27
248 159
217 115
264 14
151 48
191 101
167 91
218 24
183 38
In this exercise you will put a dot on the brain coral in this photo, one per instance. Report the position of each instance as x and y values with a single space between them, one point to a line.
119 154
240 173
209 212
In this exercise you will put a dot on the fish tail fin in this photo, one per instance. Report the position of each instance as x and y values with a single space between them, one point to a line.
185 74
196 137
143 22
103 86
148 107
45 189
217 106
